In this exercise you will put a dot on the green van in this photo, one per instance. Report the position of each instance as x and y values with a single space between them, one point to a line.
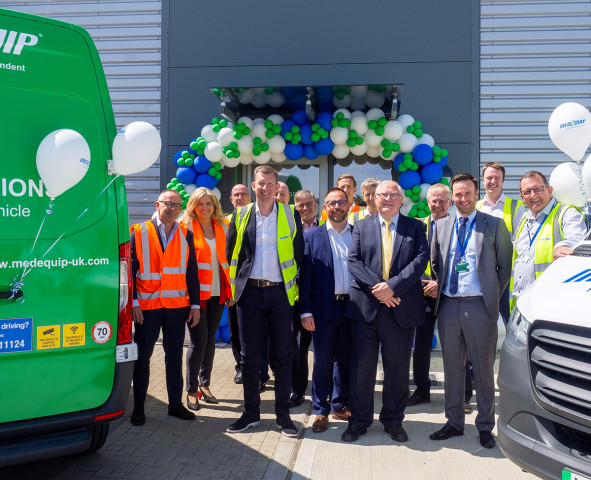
66 353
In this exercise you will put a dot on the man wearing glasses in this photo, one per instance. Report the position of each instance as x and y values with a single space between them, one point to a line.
165 295
388 255
305 203
549 230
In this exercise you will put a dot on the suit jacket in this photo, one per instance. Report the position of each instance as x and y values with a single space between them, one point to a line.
409 260
246 256
317 285
192 274
494 252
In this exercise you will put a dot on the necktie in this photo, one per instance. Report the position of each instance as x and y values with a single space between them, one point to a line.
453 281
386 250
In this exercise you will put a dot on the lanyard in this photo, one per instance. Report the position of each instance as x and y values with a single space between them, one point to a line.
531 239
465 245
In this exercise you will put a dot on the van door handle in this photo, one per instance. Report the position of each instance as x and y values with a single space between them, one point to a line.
8 294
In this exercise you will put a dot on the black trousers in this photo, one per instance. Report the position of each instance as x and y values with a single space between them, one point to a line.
234 335
301 339
264 316
421 357
172 321
202 347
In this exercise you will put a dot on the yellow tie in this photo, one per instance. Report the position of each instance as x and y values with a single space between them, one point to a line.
386 250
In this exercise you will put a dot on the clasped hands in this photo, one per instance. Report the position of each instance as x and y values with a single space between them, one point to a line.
385 294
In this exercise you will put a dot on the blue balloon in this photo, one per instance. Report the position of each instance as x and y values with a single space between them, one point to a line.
434 341
286 126
288 92
201 164
324 146
293 151
323 119
186 175
178 155
306 133
310 153
224 320
323 94
422 154
443 162
299 100
206 180
217 335
225 334
409 179
431 173
398 159
300 117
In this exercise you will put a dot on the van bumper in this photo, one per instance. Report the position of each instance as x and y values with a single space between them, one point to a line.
59 435
537 440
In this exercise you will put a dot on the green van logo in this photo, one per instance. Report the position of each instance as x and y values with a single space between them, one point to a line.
14 42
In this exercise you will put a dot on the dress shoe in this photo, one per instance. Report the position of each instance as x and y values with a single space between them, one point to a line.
179 411
353 433
207 396
320 424
296 400
342 414
468 408
244 423
238 378
138 417
416 399
286 426
486 439
193 406
262 386
396 432
447 431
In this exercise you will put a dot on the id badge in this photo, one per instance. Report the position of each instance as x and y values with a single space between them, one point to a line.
525 258
461 267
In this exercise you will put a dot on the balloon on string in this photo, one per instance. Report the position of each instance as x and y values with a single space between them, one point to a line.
186 175
63 158
567 183
569 128
135 148
202 164
294 151
586 174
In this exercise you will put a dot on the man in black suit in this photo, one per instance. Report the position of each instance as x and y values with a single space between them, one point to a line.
386 304
266 245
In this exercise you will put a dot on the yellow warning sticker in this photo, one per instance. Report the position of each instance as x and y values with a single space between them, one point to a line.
48 337
74 335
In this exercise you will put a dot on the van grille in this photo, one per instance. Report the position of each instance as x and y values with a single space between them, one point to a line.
560 364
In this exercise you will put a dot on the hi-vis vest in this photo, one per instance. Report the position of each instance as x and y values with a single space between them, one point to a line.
354 208
203 254
427 221
550 234
356 216
510 207
161 279
286 231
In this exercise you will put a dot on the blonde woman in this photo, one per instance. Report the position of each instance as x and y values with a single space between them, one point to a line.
203 216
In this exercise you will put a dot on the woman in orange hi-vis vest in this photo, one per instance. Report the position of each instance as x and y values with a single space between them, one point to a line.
203 216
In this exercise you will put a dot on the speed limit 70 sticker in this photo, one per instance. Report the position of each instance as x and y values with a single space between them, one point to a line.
101 332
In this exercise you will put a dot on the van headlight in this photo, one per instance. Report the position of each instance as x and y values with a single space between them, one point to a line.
517 329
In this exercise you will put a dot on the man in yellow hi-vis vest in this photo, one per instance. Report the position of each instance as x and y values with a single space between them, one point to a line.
266 245
548 231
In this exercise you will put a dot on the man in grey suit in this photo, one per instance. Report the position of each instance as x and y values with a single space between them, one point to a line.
471 261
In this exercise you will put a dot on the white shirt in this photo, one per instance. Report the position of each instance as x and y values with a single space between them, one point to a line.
162 232
266 257
494 209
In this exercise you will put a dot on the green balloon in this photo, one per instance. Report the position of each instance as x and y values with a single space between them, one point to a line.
408 192
256 151
289 136
416 189
215 120
427 209
414 166
295 129
412 213
277 129
415 198
382 121
217 166
238 135
194 145
407 156
315 137
351 142
379 130
269 90
257 140
178 187
297 138
387 153
269 134
372 124
340 95
395 147
189 162
315 127
421 205
202 143
324 134
352 134
345 123
385 143
445 181
185 154
417 124
181 162
340 115
407 162
233 145
402 168
443 152
200 151
436 159
223 122
268 124
218 176
265 147
334 122
170 186
359 140
418 133
421 214
216 128
410 129
246 131
436 150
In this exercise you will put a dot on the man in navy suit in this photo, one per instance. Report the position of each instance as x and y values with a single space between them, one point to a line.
324 291
388 255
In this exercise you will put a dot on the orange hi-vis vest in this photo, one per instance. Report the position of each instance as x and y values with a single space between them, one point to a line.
203 254
161 279
354 208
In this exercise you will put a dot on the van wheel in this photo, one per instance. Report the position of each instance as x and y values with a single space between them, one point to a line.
99 435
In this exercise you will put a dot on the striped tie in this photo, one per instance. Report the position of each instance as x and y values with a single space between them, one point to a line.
386 250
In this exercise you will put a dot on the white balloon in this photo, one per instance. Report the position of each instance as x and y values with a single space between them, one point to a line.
247 121
405 208
246 96
372 139
262 158
424 189
208 133
344 102
375 99
586 173
357 113
259 130
406 201
340 151
136 147
359 124
358 91
216 192
246 159
275 99
373 152
258 120
405 120
230 162
358 103
278 157
259 90
245 144
276 119
339 135
63 158
426 139
213 152
276 144
359 150
390 158
344 111
567 182
259 101
226 136
374 114
393 130
570 129
407 142
190 188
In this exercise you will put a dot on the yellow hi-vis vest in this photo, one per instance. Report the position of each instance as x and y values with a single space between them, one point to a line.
550 234
427 221
510 207
286 231
356 216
